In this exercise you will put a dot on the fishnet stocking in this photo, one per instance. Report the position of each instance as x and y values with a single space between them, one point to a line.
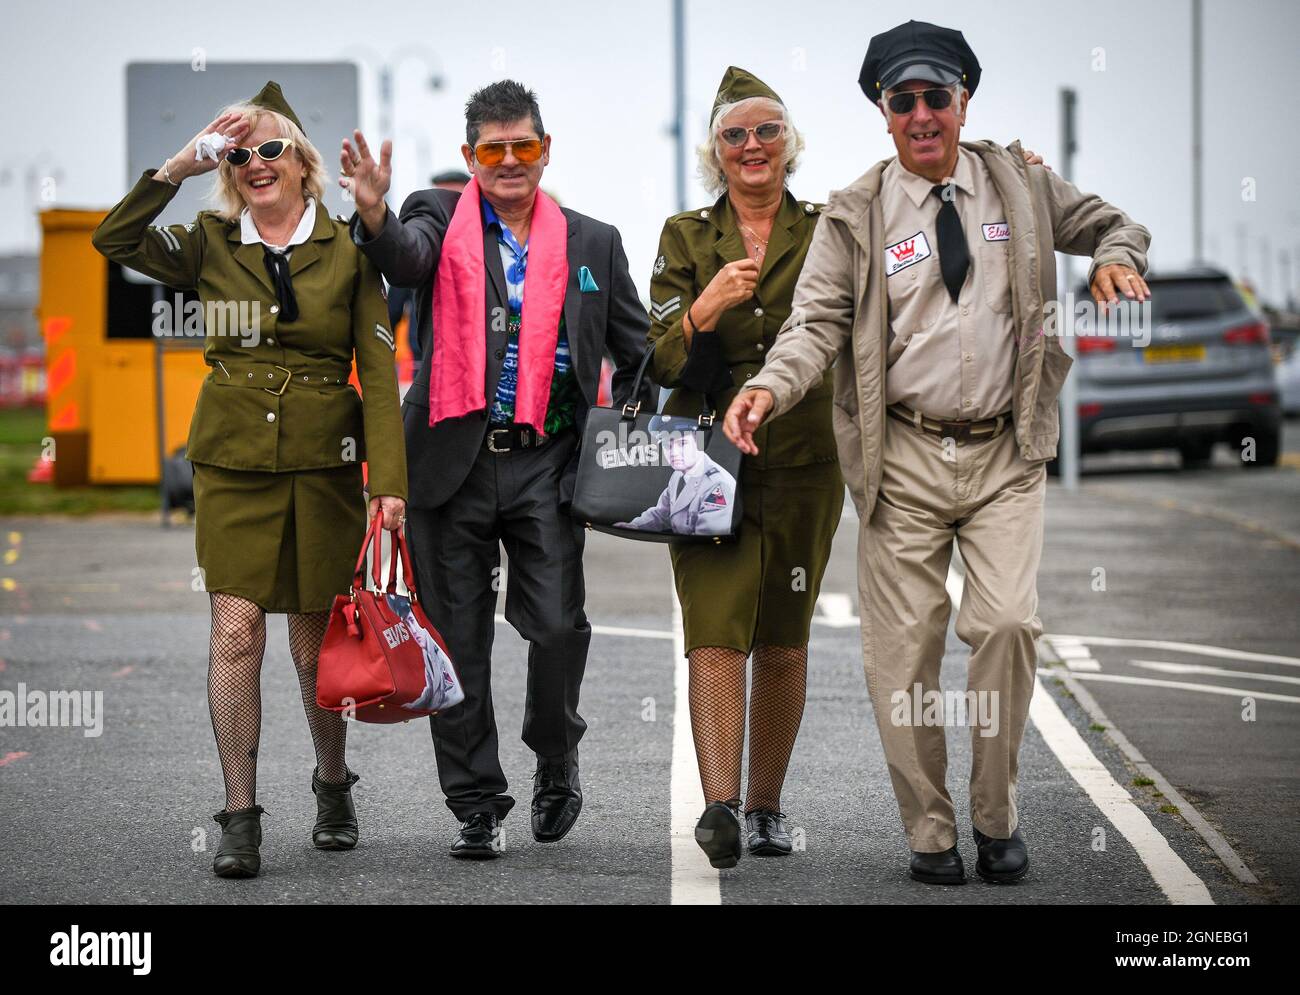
775 710
716 694
235 692
328 729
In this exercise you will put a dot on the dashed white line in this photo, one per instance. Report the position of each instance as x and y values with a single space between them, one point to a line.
1189 686
1196 649
1165 667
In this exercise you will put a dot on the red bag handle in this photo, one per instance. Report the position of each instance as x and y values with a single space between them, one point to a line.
358 574
397 549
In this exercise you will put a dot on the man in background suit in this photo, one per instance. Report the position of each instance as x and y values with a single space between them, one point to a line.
486 466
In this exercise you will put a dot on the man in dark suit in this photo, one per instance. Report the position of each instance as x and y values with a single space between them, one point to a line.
484 478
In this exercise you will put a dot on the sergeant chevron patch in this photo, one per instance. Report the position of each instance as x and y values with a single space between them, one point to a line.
385 336
660 311
168 239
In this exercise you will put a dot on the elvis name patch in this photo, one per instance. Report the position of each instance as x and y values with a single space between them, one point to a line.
998 231
906 253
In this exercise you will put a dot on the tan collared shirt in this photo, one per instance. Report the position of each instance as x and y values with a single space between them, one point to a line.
947 359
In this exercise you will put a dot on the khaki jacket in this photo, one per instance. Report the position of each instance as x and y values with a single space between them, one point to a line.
245 422
840 314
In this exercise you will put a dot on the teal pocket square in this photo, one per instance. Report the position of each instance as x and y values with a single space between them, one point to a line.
585 283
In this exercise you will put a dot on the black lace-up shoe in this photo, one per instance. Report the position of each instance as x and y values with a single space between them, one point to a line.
557 797
480 837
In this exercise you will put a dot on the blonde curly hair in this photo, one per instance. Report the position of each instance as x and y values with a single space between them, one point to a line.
225 195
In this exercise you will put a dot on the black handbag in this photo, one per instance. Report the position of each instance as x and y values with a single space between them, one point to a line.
657 477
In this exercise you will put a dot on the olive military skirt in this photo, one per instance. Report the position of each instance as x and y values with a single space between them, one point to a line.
762 588
285 541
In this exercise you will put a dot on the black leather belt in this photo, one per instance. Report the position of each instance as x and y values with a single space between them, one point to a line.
504 438
958 431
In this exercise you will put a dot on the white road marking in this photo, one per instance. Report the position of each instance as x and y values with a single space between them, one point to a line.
836 610
1188 686
615 630
694 880
1178 882
1196 668
1180 885
1083 663
1213 838
1194 648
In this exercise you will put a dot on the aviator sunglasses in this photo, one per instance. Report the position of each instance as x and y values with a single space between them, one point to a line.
268 152
494 153
903 101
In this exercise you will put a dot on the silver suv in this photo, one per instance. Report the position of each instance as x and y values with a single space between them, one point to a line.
1205 375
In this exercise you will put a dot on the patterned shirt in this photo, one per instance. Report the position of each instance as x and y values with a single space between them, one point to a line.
560 408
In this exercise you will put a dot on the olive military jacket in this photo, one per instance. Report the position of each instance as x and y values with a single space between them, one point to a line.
693 247
278 397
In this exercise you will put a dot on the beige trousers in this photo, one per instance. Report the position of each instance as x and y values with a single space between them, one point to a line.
987 497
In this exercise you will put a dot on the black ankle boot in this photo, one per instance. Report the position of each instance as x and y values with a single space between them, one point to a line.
336 817
237 854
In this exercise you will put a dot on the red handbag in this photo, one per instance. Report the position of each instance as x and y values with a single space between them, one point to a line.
381 660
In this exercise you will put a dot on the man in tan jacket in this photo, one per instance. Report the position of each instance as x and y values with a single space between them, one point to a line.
926 285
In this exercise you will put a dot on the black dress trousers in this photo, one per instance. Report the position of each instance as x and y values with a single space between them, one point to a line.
512 500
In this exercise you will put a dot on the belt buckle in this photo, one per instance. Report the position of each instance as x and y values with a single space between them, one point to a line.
288 375
491 440
958 431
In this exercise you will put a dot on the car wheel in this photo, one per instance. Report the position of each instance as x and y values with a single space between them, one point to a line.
1267 449
1196 456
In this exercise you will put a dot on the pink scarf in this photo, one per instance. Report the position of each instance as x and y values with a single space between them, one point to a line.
456 379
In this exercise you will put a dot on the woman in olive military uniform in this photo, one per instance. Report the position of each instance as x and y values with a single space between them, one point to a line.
722 285
278 435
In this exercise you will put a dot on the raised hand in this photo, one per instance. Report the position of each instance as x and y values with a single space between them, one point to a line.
183 164
366 179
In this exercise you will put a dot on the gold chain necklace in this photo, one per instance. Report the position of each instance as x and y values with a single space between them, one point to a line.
760 244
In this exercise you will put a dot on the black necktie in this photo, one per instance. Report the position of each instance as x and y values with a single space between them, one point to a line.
954 256
278 267
680 484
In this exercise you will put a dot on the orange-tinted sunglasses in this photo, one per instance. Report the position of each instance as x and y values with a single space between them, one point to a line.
494 153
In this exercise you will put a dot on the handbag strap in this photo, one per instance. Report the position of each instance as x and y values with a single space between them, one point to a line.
397 549
359 573
708 409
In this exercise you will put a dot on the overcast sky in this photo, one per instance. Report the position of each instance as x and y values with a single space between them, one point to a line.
603 74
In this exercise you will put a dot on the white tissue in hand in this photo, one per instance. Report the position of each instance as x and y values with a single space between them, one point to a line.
210 147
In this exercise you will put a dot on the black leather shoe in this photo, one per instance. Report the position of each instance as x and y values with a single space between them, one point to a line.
768 835
557 797
1001 861
480 837
336 818
718 833
237 854
944 867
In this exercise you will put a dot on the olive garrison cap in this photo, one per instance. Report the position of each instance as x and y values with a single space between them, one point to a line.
738 84
918 50
272 99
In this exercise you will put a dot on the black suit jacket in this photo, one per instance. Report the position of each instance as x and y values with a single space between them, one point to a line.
610 320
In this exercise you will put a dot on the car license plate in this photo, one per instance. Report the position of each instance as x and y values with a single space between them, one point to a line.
1173 354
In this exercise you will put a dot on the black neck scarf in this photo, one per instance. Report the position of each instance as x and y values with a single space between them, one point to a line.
278 267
